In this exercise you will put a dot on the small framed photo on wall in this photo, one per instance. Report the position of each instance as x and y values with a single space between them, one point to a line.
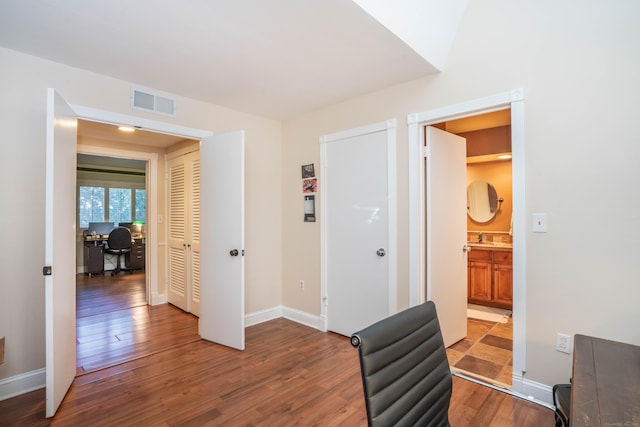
310 185
308 171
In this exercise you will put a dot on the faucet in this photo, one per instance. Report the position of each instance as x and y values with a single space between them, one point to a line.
480 238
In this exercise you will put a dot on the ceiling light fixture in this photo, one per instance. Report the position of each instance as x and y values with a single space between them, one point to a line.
126 129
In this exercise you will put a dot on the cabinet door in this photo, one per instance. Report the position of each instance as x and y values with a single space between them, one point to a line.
479 281
178 223
503 285
194 237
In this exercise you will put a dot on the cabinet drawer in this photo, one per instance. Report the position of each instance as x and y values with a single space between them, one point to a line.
505 257
479 255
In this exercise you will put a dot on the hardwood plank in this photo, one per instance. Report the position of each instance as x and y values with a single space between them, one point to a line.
288 374
147 366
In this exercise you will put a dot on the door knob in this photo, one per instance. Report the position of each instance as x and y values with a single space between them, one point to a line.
466 248
381 252
234 252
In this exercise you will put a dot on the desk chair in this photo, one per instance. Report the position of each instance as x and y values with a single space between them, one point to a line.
119 243
405 370
562 402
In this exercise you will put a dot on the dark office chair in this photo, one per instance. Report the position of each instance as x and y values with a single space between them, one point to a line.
562 402
405 371
119 243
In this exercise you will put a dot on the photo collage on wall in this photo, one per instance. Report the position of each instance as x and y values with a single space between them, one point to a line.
309 185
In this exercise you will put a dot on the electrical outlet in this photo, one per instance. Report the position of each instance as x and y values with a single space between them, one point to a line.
563 343
301 285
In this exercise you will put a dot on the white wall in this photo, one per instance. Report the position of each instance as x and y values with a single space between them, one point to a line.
578 63
23 83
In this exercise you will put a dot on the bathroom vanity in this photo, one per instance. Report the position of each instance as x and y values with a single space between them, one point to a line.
490 275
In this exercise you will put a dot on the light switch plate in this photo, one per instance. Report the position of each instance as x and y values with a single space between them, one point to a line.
539 222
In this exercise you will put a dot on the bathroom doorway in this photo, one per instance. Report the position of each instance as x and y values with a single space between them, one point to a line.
420 286
486 352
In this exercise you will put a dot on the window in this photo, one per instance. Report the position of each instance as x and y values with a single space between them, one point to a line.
125 204
120 205
91 205
141 205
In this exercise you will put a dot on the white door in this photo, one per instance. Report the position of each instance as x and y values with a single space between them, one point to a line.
184 232
178 222
222 239
194 237
358 227
60 238
446 228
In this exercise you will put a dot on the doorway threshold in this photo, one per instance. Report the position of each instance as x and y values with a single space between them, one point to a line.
496 385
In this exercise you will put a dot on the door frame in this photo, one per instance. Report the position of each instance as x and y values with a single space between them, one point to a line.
153 245
514 100
390 127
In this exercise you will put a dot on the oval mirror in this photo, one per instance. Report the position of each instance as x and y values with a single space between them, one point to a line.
482 201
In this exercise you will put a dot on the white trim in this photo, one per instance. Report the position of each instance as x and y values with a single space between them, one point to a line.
310 320
151 249
392 253
102 116
262 316
536 391
23 383
417 240
539 394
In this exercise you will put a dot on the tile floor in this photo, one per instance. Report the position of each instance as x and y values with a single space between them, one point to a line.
486 352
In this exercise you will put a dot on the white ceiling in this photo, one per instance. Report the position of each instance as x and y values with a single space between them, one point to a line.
274 58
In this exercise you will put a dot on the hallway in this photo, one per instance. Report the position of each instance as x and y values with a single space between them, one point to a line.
114 323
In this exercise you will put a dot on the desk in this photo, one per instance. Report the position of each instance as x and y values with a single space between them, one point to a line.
94 255
605 388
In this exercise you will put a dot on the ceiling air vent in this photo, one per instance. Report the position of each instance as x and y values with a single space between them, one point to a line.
154 103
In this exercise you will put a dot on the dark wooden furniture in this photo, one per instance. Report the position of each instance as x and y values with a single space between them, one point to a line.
135 259
93 257
606 383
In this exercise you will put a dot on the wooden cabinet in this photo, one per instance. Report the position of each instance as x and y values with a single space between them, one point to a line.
490 278
135 259
93 258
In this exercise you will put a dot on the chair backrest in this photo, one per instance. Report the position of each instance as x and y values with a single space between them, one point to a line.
119 238
405 370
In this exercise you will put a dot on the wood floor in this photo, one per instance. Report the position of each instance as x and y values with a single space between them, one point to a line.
114 323
289 374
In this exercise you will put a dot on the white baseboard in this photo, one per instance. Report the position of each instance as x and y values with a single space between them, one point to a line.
304 318
539 392
23 383
313 321
262 316
158 299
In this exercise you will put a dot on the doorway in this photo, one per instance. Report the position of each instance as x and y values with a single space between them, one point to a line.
418 285
486 351
119 180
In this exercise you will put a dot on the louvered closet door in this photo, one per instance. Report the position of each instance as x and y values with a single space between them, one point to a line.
194 250
177 221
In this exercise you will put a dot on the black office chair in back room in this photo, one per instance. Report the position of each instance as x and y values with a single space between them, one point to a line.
405 370
119 243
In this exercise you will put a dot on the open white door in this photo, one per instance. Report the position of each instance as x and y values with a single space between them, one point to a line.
60 238
446 217
222 239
